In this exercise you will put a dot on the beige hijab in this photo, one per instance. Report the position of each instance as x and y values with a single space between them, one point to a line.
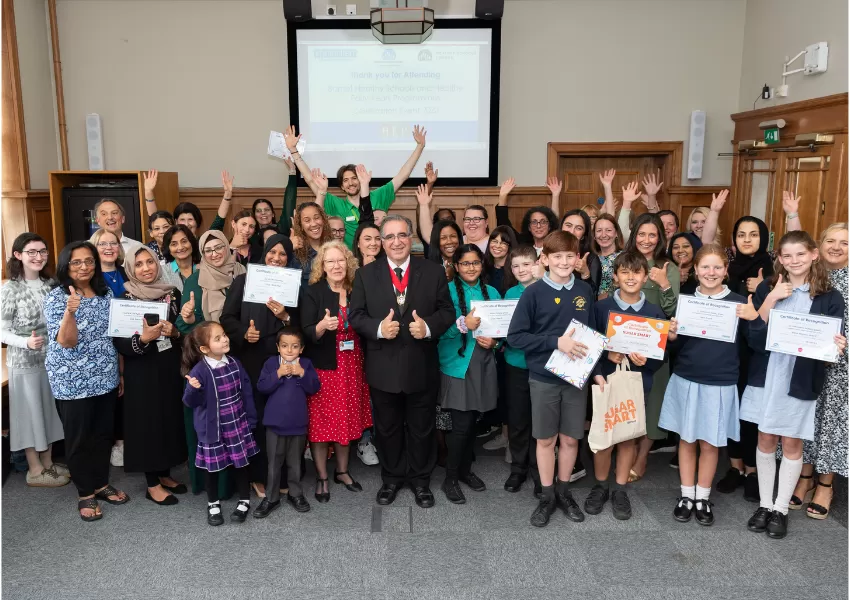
215 280
145 291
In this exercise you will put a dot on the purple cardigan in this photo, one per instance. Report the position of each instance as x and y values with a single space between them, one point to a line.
286 407
204 401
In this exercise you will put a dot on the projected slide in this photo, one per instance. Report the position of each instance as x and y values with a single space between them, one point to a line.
359 99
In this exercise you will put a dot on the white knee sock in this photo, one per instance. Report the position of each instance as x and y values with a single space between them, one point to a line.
766 466
688 491
703 493
789 473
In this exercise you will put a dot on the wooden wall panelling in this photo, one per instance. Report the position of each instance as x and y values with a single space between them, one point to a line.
827 114
15 163
684 199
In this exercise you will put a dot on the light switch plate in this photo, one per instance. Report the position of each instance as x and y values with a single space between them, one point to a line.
350 9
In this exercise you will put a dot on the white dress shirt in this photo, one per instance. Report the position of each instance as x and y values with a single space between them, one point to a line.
403 266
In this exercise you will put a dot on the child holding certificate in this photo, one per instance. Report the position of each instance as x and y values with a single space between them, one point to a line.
631 270
701 401
538 328
783 388
468 385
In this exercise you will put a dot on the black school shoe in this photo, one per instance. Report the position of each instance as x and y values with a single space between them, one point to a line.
453 492
541 515
684 509
514 482
621 505
299 503
538 489
474 482
777 525
214 516
751 488
567 503
703 513
265 508
239 516
758 522
730 482
596 499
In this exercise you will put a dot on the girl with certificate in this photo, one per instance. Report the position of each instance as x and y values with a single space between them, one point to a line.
782 390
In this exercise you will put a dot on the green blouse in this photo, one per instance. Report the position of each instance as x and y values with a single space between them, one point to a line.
666 300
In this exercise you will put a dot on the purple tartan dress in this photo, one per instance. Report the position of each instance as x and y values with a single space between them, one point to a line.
236 442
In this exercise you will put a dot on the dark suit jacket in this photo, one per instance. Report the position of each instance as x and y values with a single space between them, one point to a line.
403 364
315 299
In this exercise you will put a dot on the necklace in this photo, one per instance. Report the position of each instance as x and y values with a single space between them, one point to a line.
113 276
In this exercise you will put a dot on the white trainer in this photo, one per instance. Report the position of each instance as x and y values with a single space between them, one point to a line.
367 453
497 443
116 459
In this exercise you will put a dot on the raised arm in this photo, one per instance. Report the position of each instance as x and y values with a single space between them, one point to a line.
630 194
607 180
426 224
407 168
227 184
367 211
150 183
791 206
68 335
502 216
555 186
430 176
651 186
709 230
319 186
290 196
291 141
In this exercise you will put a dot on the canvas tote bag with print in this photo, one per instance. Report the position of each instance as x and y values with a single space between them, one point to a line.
619 413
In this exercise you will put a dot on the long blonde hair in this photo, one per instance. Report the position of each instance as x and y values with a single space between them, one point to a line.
351 264
704 211
95 238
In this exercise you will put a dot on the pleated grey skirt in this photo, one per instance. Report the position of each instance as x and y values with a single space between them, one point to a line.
33 419
479 390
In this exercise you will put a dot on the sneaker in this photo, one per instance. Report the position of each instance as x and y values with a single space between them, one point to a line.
730 482
621 505
483 431
307 454
758 522
47 478
578 471
703 513
665 445
508 458
453 492
777 525
596 499
498 442
684 509
116 459
367 453
541 515
674 462
569 506
751 488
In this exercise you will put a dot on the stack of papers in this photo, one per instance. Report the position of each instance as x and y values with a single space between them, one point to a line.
576 372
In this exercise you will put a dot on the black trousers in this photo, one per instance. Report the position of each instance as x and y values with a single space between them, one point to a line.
460 442
522 445
88 425
499 415
152 477
746 448
405 426
243 485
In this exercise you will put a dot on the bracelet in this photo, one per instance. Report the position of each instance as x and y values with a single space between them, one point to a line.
461 324
150 199
790 216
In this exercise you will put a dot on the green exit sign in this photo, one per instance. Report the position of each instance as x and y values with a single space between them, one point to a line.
771 136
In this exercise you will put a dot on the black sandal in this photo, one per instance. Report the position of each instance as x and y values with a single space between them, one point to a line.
351 487
816 511
108 491
795 503
322 496
92 504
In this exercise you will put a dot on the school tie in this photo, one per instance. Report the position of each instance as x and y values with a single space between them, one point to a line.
398 273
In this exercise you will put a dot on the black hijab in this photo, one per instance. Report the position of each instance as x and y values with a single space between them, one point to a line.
742 266
264 319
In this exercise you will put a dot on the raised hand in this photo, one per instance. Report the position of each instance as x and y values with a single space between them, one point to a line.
363 176
73 300
507 187
651 185
252 335
284 370
419 135
35 342
150 332
278 309
430 173
320 180
718 200
239 240
188 310
297 244
581 265
472 322
790 202
290 139
150 182
659 276
297 369
570 347
607 178
289 165
193 381
329 322
555 185
389 328
630 193
781 290
422 195
753 282
227 184
418 328
747 311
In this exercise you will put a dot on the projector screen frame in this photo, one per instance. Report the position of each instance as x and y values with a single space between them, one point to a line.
495 25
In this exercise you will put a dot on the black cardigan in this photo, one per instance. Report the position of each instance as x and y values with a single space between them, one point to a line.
315 299
808 376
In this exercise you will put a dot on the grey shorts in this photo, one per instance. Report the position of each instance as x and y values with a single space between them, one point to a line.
556 409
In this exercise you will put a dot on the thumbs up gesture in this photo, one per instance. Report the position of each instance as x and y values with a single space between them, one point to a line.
193 381
389 328
781 290
472 322
659 276
35 342
297 244
329 322
753 282
73 300
418 328
581 266
188 310
747 311
252 335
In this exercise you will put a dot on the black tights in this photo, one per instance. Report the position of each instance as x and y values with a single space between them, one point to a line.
243 486
152 477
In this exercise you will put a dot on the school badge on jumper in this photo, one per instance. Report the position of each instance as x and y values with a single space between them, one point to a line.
579 302
557 300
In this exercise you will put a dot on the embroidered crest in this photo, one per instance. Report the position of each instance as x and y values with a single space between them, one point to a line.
579 302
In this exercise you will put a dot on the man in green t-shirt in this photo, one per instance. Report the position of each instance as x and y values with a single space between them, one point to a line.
354 183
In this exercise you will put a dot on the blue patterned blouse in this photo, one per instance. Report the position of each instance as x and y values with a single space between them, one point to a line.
91 367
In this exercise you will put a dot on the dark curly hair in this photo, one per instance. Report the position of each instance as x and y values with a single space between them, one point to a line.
461 297
525 228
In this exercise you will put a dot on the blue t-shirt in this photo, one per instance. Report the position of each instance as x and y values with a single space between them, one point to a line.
115 282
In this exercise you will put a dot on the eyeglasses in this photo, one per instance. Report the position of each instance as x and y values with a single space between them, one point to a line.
106 245
76 264
498 242
217 250
538 223
338 231
34 253
338 261
470 264
474 219
402 237
264 211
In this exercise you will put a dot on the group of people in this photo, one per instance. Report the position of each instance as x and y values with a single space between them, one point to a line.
382 348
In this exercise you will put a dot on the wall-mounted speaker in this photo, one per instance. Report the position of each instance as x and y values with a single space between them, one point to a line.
94 142
696 144
489 9
297 10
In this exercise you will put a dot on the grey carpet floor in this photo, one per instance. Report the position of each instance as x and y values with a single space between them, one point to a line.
350 548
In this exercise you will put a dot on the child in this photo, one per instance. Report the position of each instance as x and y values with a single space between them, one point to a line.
782 390
287 380
219 392
630 272
538 328
701 400
468 385
523 447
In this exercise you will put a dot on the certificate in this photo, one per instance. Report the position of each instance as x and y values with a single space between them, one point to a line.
277 145
279 283
495 317
126 316
629 333
707 318
576 371
810 336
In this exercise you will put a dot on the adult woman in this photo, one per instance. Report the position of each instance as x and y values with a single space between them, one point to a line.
153 415
252 329
186 213
445 239
682 253
111 255
158 223
310 228
340 411
587 266
244 226
263 212
367 243
703 221
502 241
607 245
180 249
538 222
77 315
33 421
827 454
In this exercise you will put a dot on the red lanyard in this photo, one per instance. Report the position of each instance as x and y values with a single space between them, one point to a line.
400 286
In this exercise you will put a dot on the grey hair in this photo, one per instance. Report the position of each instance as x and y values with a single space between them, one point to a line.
397 218
104 200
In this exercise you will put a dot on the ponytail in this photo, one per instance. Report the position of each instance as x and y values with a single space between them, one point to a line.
192 354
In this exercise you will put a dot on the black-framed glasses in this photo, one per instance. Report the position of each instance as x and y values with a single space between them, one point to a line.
474 219
216 250
89 262
33 253
469 264
538 222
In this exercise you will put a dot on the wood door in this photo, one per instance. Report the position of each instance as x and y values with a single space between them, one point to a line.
806 174
582 185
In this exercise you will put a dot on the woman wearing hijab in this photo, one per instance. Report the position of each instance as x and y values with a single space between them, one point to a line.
153 388
252 329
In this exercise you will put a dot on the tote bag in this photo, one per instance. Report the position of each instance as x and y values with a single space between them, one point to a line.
619 413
